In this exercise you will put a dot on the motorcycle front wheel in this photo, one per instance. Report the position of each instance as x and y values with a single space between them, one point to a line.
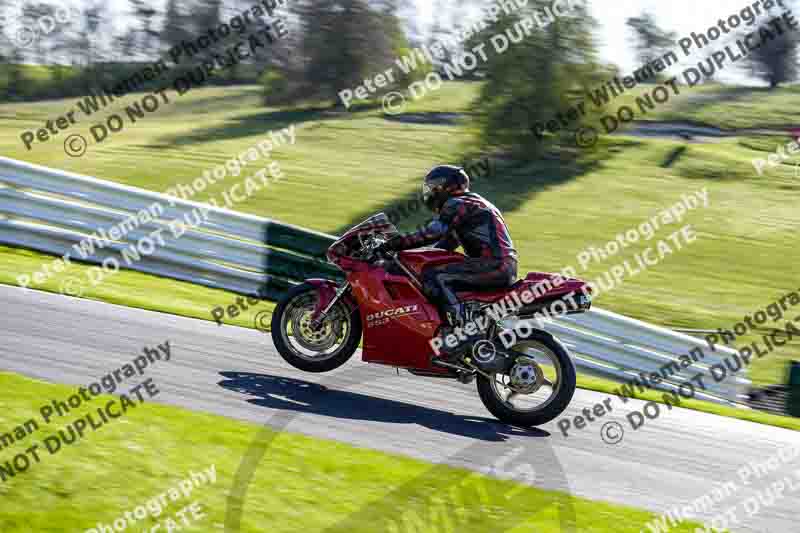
314 350
539 386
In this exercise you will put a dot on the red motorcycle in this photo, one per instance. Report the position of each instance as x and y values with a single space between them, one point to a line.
318 325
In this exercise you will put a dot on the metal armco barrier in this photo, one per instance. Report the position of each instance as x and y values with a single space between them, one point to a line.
52 211
628 350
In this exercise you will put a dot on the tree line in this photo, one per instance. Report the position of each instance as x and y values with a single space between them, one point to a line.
335 45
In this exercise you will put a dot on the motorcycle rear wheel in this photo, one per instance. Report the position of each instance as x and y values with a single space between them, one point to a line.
321 350
560 378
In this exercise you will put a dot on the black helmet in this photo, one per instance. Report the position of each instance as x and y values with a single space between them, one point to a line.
441 183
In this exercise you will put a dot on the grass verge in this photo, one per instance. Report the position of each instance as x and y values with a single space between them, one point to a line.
307 483
130 288
759 417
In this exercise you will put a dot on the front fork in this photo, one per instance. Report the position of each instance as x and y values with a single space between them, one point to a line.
319 317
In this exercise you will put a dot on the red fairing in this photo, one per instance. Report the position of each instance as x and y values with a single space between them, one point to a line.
326 291
398 320
417 260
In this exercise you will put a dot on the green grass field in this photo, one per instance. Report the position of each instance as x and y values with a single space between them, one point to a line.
323 485
741 107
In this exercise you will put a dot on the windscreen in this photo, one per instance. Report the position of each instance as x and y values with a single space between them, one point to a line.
351 242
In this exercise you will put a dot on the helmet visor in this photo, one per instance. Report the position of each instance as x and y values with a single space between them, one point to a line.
432 197
427 192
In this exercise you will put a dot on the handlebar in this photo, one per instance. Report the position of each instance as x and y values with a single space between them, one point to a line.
370 248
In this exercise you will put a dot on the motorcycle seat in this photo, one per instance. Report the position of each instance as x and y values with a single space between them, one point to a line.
488 296
528 283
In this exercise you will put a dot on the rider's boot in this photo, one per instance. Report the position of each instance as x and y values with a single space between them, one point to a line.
455 341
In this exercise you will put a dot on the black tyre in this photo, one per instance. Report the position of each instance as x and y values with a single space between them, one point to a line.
310 350
543 366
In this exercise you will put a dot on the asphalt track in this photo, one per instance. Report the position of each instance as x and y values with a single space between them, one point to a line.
236 372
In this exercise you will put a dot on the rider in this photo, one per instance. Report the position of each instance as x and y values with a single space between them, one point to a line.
467 219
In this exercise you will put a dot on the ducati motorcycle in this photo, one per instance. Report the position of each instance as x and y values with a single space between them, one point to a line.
318 325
